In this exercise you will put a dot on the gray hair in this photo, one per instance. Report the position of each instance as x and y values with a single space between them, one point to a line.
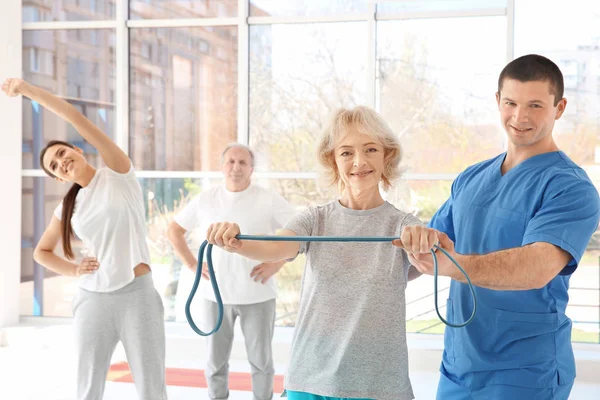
241 146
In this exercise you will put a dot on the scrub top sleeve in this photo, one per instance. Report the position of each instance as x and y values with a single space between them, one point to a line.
567 220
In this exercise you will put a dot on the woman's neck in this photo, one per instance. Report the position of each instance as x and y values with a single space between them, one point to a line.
361 200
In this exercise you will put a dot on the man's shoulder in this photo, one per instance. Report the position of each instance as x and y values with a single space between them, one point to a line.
207 195
268 193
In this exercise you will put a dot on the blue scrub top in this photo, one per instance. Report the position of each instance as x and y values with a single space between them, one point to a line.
521 338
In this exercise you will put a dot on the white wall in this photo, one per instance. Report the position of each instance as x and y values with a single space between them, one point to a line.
10 165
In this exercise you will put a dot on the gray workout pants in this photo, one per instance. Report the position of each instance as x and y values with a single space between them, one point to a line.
257 321
133 315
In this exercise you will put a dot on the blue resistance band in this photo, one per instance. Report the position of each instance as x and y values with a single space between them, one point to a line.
215 287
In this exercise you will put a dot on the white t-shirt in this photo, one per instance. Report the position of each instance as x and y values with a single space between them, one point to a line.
257 211
109 219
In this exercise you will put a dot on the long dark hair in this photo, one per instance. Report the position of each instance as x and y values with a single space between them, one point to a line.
68 205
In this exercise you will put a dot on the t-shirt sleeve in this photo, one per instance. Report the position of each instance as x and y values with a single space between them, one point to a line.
190 217
303 224
130 174
282 211
58 211
567 219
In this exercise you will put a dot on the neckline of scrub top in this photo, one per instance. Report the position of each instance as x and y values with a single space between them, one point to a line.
538 160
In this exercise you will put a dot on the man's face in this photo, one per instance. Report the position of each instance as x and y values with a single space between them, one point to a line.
237 167
527 111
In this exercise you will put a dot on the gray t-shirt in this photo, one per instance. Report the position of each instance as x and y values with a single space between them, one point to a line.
350 337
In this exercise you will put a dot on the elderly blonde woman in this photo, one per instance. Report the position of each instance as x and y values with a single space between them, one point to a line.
350 338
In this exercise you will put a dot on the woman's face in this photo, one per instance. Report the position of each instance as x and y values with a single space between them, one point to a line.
66 163
360 160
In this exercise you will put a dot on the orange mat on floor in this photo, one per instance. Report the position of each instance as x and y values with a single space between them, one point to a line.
191 378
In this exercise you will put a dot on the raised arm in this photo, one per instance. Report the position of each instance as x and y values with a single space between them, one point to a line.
111 154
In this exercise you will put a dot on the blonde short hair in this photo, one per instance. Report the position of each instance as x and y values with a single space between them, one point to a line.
367 121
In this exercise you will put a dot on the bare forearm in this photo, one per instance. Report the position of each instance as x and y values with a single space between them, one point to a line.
268 252
50 101
55 263
521 268
182 251
111 154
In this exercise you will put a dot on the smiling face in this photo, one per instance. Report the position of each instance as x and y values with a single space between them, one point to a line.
63 162
528 112
237 168
360 160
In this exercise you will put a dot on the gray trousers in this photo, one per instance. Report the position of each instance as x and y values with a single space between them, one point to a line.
256 321
133 315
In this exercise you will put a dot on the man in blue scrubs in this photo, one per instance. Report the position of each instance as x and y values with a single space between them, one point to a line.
518 224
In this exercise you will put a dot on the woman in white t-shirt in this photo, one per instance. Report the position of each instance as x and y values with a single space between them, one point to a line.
116 300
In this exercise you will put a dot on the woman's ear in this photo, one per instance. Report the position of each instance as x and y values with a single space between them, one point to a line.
77 149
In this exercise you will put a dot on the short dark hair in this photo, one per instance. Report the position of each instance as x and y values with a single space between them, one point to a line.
533 67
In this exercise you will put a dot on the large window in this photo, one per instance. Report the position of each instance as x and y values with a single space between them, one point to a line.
578 131
68 10
173 82
162 9
79 66
439 97
299 74
42 291
183 97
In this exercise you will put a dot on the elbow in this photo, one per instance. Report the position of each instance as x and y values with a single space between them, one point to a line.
170 232
541 282
174 231
537 282
38 255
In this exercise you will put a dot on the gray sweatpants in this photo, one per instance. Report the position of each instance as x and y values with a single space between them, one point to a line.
133 315
257 321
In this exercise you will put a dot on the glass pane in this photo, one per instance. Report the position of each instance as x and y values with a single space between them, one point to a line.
584 295
183 97
68 10
299 74
149 9
78 65
164 198
397 6
310 8
422 198
577 133
40 198
438 97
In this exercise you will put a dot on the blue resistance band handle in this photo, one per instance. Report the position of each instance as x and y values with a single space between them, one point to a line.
379 239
